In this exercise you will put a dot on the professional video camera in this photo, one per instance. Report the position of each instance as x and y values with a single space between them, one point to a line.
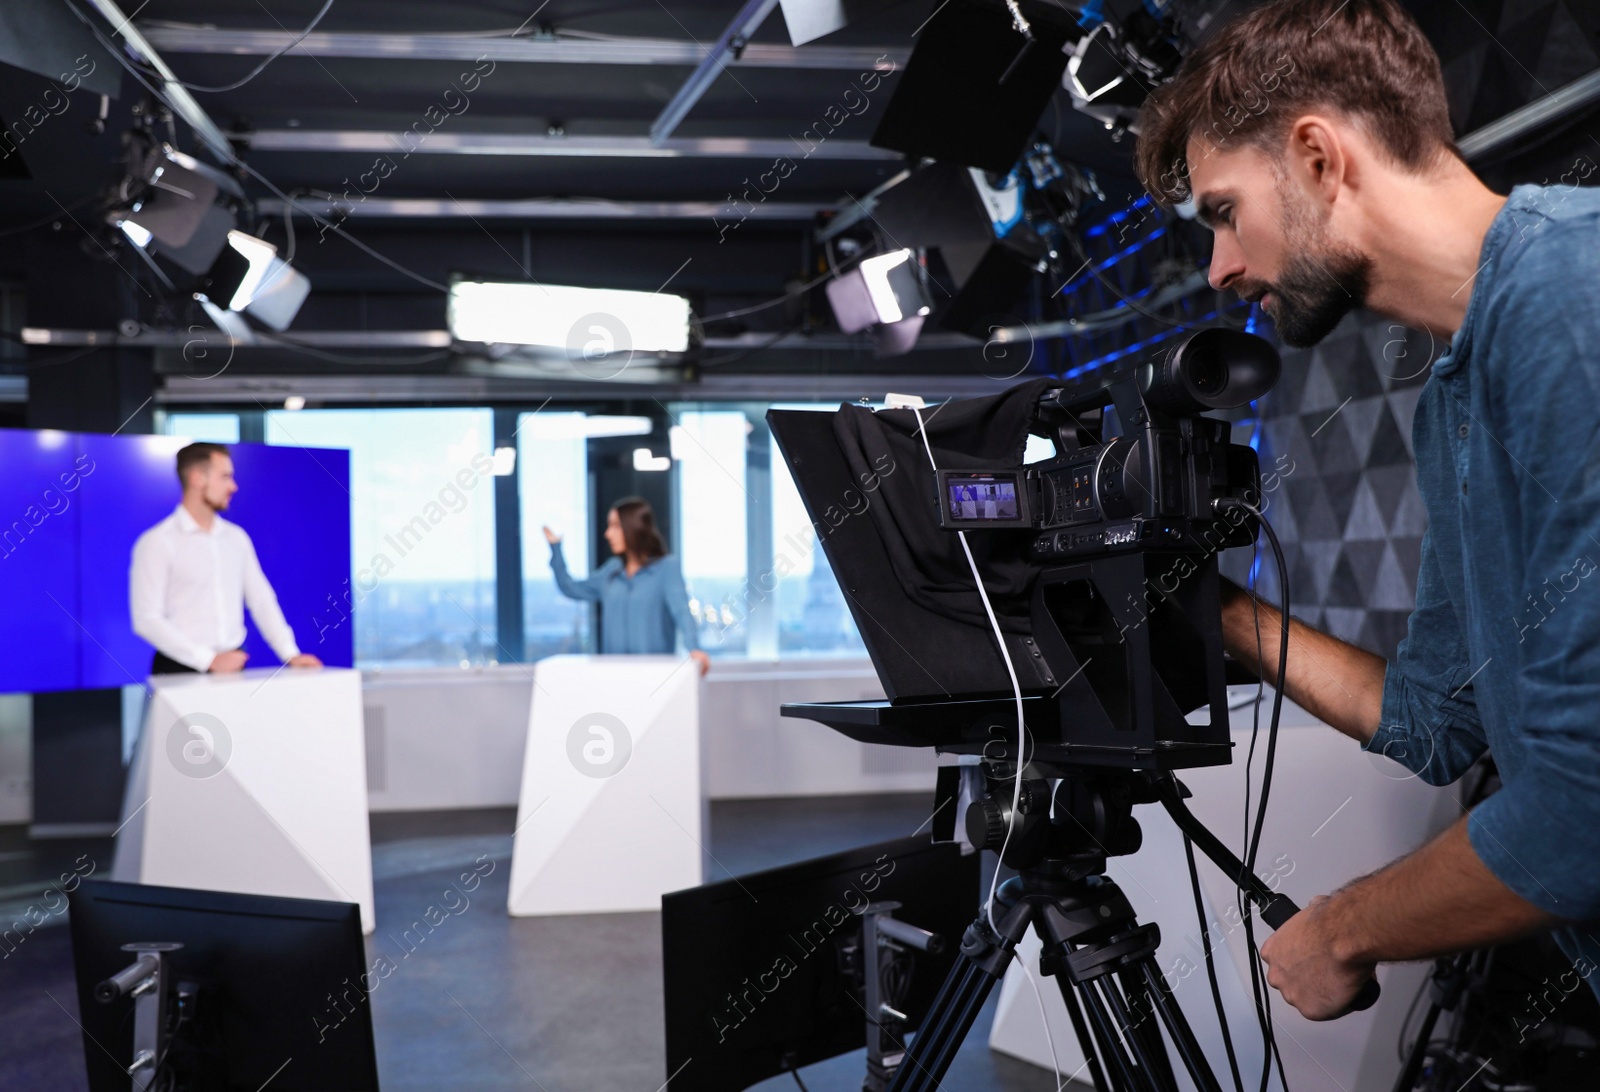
1076 598
1099 564
1164 480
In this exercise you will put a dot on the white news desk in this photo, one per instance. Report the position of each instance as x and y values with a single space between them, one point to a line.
612 813
255 783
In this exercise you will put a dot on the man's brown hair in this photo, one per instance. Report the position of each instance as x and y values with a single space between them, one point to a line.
196 455
1365 59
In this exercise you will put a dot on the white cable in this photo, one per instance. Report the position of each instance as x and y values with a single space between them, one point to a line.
1055 1063
1016 687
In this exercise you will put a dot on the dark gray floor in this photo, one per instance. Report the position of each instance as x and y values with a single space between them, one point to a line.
488 1001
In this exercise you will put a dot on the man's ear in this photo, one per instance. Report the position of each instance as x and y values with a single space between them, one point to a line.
1317 157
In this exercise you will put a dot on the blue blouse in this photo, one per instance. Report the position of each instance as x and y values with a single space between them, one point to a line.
642 613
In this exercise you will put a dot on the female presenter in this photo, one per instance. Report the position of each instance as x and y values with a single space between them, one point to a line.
640 589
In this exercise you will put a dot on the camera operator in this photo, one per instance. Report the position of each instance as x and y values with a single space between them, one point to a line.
1333 183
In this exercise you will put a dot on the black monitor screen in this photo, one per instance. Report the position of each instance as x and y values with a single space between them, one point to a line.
983 498
762 972
279 985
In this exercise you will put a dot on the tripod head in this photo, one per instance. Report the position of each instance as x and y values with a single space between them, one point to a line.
1069 829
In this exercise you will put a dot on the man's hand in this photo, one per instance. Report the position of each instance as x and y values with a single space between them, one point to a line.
550 536
228 663
1302 967
702 659
305 659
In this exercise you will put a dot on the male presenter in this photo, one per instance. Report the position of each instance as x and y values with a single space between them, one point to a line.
194 573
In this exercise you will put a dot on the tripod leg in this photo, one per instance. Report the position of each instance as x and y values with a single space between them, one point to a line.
982 962
1445 985
955 1008
1419 1052
1125 1075
1183 1039
1092 1051
1157 1076
1146 1023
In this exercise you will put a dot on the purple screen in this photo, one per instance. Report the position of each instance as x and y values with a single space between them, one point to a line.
68 574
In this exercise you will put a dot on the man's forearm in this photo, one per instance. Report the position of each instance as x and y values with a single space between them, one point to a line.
1335 682
1438 900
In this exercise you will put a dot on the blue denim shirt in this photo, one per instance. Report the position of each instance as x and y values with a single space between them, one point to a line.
640 612
1503 649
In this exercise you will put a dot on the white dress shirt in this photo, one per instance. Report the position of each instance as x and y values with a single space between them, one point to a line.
187 590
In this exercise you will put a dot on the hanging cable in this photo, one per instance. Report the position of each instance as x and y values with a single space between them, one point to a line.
262 67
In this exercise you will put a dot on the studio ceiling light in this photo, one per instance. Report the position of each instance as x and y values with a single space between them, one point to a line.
591 323
884 288
249 277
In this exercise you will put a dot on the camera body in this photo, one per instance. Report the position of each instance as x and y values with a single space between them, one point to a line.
1138 465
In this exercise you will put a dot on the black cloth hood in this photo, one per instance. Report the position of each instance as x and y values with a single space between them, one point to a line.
969 433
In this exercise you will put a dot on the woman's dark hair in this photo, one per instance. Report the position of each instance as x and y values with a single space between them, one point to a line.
639 532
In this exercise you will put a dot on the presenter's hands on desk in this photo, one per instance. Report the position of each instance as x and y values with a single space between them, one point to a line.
228 663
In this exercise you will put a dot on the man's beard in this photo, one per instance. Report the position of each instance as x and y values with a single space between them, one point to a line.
1320 282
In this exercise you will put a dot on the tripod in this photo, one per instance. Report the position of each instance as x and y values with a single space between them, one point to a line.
1102 958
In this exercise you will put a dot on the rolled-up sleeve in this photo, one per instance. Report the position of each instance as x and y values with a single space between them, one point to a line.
1430 721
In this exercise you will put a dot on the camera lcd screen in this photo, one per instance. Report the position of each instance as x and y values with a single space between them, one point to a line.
983 498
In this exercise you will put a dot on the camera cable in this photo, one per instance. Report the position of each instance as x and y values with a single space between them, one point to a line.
1211 965
1259 988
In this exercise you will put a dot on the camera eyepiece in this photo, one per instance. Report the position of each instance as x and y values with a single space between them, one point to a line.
1211 369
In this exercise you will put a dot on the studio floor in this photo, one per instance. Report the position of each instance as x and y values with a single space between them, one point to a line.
563 1004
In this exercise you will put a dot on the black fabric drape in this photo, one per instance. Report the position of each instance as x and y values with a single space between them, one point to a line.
969 433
